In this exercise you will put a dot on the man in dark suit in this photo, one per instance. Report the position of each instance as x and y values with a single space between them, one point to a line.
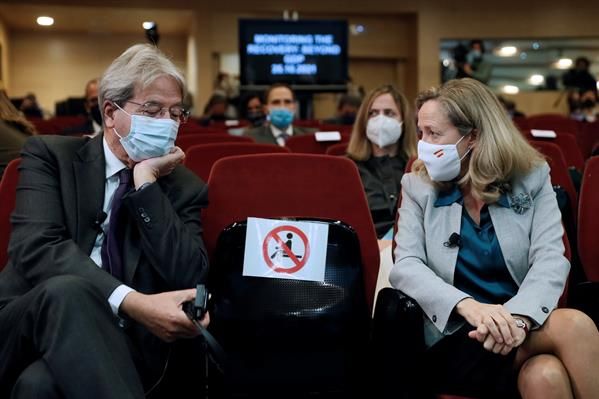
280 112
105 247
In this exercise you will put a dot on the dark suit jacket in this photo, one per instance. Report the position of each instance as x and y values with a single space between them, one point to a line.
60 194
263 134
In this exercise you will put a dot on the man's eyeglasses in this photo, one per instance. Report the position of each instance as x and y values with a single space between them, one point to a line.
155 110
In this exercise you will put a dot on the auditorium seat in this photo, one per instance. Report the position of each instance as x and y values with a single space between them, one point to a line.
585 295
186 141
277 185
559 173
337 149
8 187
552 121
307 144
569 146
200 158
289 337
588 220
588 138
343 129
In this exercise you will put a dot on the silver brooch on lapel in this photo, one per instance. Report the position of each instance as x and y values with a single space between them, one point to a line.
521 203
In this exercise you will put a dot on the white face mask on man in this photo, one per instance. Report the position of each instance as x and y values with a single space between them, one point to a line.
442 161
383 130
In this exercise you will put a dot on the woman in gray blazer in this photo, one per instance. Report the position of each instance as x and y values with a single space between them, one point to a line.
479 247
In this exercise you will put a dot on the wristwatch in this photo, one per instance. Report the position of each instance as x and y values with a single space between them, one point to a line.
522 324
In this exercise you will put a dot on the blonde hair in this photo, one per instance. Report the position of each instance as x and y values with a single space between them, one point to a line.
360 148
136 68
501 151
10 114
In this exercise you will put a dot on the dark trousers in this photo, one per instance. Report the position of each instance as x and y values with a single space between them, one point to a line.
61 339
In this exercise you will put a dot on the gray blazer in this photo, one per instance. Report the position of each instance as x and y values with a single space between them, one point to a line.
530 237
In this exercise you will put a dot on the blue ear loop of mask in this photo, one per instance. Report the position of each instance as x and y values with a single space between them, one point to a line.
148 137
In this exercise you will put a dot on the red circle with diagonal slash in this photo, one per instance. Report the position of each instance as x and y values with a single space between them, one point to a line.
298 263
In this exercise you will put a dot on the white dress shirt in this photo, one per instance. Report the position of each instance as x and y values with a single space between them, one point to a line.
113 167
276 132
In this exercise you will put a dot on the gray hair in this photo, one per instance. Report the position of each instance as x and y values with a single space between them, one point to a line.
136 68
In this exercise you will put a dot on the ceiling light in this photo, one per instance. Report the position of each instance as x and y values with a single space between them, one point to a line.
45 21
148 25
563 63
507 51
536 80
510 89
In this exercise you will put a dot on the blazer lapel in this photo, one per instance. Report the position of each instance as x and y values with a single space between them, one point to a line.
90 179
450 222
512 232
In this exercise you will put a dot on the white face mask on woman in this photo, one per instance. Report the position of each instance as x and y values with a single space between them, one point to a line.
383 130
442 161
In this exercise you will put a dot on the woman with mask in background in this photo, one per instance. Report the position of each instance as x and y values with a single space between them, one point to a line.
479 247
382 141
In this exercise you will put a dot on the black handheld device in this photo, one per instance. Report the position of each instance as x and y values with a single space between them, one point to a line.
197 308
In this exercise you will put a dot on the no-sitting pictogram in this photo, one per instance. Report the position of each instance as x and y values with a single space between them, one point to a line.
286 249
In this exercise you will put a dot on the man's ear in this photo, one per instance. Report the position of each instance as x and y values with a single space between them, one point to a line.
108 109
265 109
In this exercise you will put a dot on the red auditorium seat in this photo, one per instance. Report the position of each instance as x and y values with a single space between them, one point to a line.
337 149
292 185
569 146
307 144
588 220
521 122
200 158
559 172
588 138
8 187
343 129
187 141
553 122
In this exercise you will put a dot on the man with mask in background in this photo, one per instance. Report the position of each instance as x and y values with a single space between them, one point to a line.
93 121
280 113
105 248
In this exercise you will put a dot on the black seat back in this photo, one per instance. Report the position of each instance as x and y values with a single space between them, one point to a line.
290 336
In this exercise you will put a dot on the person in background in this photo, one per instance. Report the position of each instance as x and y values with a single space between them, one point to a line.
347 108
479 247
280 112
106 246
253 110
510 108
583 105
382 142
579 78
93 116
476 66
14 130
215 110
30 107
13 117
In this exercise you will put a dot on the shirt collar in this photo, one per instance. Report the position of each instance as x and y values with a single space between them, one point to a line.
277 132
446 198
113 164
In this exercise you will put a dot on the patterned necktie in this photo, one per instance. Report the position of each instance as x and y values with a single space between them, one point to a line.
283 136
112 247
